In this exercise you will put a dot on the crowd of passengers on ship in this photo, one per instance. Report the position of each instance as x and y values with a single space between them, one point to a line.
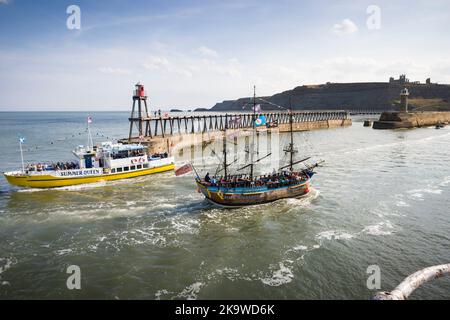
52 166
138 153
275 180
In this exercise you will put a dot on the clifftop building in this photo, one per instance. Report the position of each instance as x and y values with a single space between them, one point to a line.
404 80
401 80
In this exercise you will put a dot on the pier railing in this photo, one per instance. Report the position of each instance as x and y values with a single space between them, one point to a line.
363 112
169 126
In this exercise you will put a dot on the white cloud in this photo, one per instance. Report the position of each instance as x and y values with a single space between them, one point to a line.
207 52
230 68
179 63
164 65
4 2
346 27
349 65
114 71
157 63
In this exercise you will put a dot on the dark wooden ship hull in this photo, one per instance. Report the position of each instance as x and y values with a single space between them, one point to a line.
240 197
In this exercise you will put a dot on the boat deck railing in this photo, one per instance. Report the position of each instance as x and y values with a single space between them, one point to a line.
252 188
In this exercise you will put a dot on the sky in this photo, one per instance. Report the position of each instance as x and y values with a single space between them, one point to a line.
196 53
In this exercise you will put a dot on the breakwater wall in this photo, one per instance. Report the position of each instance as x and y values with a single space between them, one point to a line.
398 120
173 143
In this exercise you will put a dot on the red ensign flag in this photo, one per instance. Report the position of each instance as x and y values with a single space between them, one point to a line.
183 170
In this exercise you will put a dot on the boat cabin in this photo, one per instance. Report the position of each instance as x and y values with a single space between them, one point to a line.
87 157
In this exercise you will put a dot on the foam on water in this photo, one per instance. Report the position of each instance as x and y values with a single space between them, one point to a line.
231 273
162 292
419 194
77 187
304 201
300 248
92 213
401 203
382 228
63 252
379 229
191 292
6 263
279 277
334 235
445 182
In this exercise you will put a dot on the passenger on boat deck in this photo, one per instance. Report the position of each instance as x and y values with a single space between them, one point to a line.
285 178
160 155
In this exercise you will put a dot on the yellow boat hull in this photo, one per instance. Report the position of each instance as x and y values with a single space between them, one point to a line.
49 181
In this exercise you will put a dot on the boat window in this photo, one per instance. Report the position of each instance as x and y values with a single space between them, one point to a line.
133 168
145 165
126 169
113 170
139 166
120 154
119 169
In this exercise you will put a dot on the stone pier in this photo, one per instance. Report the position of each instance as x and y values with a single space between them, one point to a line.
399 120
173 143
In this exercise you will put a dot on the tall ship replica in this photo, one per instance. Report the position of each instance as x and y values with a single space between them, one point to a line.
104 162
239 190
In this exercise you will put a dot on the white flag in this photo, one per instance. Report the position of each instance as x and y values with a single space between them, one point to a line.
257 108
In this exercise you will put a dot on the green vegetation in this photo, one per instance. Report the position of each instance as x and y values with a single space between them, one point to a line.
422 104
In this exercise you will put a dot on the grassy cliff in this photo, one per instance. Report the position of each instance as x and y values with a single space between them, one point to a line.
351 96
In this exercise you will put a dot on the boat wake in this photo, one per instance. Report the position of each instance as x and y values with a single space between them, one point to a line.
68 188
304 200
101 184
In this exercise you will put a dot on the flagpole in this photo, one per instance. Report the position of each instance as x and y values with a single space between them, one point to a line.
253 136
90 141
21 155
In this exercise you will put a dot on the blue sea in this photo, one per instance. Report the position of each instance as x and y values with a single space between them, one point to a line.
381 198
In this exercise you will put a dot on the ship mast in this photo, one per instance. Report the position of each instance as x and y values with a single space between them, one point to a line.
254 129
225 150
291 145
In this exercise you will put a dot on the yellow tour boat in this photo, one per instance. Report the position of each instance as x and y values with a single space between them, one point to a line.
93 164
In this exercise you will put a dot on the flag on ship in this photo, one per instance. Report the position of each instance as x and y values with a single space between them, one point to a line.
22 140
89 119
183 170
257 108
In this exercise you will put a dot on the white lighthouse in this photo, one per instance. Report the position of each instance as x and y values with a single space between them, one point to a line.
404 94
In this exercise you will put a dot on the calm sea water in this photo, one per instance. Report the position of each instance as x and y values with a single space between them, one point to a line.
382 198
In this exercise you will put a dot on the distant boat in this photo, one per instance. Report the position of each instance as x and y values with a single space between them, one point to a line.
238 190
